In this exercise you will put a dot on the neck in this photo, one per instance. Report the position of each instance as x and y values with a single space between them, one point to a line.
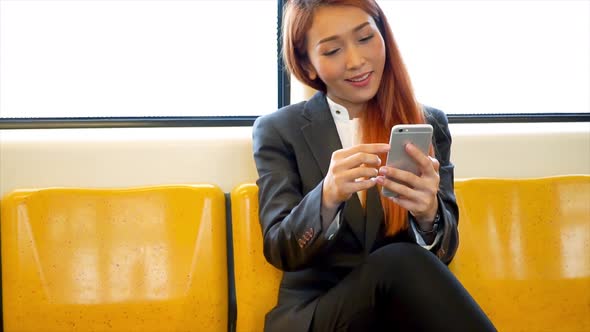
354 111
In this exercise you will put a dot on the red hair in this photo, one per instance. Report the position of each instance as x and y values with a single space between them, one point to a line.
394 103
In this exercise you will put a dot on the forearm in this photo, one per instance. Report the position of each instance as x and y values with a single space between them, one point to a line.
293 228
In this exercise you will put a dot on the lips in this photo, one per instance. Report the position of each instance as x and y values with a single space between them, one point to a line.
360 80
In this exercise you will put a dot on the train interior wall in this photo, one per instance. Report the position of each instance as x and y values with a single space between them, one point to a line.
122 157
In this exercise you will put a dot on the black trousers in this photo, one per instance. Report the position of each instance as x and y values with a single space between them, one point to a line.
399 287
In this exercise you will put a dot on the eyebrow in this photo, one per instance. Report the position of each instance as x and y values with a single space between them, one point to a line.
327 39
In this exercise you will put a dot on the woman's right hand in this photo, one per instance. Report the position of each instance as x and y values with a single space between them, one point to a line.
350 171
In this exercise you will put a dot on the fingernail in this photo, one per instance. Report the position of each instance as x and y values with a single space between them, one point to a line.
380 179
382 171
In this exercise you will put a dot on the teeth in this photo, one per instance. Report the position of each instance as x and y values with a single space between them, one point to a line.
362 78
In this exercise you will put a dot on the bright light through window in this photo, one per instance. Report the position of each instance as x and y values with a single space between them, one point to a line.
496 56
137 58
216 58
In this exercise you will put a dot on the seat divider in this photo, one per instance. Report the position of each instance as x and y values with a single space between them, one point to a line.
232 301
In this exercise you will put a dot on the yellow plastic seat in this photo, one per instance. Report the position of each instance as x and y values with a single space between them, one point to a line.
524 251
138 259
257 282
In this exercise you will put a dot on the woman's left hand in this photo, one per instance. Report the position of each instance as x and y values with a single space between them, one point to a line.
418 196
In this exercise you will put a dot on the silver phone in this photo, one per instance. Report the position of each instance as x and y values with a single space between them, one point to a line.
419 135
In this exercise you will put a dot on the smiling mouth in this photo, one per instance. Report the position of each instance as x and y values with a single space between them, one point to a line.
359 78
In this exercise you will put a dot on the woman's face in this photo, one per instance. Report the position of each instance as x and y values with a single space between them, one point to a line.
347 53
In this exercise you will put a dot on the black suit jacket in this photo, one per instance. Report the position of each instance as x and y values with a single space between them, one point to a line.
292 151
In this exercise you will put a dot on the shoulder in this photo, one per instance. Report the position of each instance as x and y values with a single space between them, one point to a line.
440 124
283 125
297 115
435 117
285 116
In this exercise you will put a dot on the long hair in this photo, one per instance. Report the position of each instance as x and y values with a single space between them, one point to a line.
394 103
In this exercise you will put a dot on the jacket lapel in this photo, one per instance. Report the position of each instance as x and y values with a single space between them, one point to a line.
322 139
320 133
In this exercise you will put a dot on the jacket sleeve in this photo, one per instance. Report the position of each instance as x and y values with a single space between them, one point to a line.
290 220
447 247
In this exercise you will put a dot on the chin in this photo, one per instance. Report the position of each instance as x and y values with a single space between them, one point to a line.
364 97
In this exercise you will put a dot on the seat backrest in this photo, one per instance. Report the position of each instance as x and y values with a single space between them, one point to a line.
137 259
524 251
256 281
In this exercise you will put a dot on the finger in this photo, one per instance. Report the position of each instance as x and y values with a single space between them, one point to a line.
372 148
435 164
400 175
357 173
423 161
416 204
404 202
427 185
362 184
349 188
357 160
398 188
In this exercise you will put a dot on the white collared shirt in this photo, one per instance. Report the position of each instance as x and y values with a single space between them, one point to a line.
349 133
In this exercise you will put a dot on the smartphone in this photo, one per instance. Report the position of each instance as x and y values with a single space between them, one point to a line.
420 135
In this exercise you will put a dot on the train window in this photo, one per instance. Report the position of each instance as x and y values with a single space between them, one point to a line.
213 60
137 58
496 56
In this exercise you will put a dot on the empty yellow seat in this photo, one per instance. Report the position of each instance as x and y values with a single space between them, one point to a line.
524 251
257 282
139 259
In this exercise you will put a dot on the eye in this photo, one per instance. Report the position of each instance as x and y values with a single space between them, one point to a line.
331 52
369 37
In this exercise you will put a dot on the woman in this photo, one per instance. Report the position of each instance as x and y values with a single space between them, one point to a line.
353 259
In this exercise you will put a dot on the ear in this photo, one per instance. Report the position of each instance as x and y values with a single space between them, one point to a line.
312 74
310 70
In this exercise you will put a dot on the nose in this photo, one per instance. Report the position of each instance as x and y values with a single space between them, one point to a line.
355 58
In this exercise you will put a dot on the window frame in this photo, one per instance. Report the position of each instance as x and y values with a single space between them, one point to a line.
247 121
